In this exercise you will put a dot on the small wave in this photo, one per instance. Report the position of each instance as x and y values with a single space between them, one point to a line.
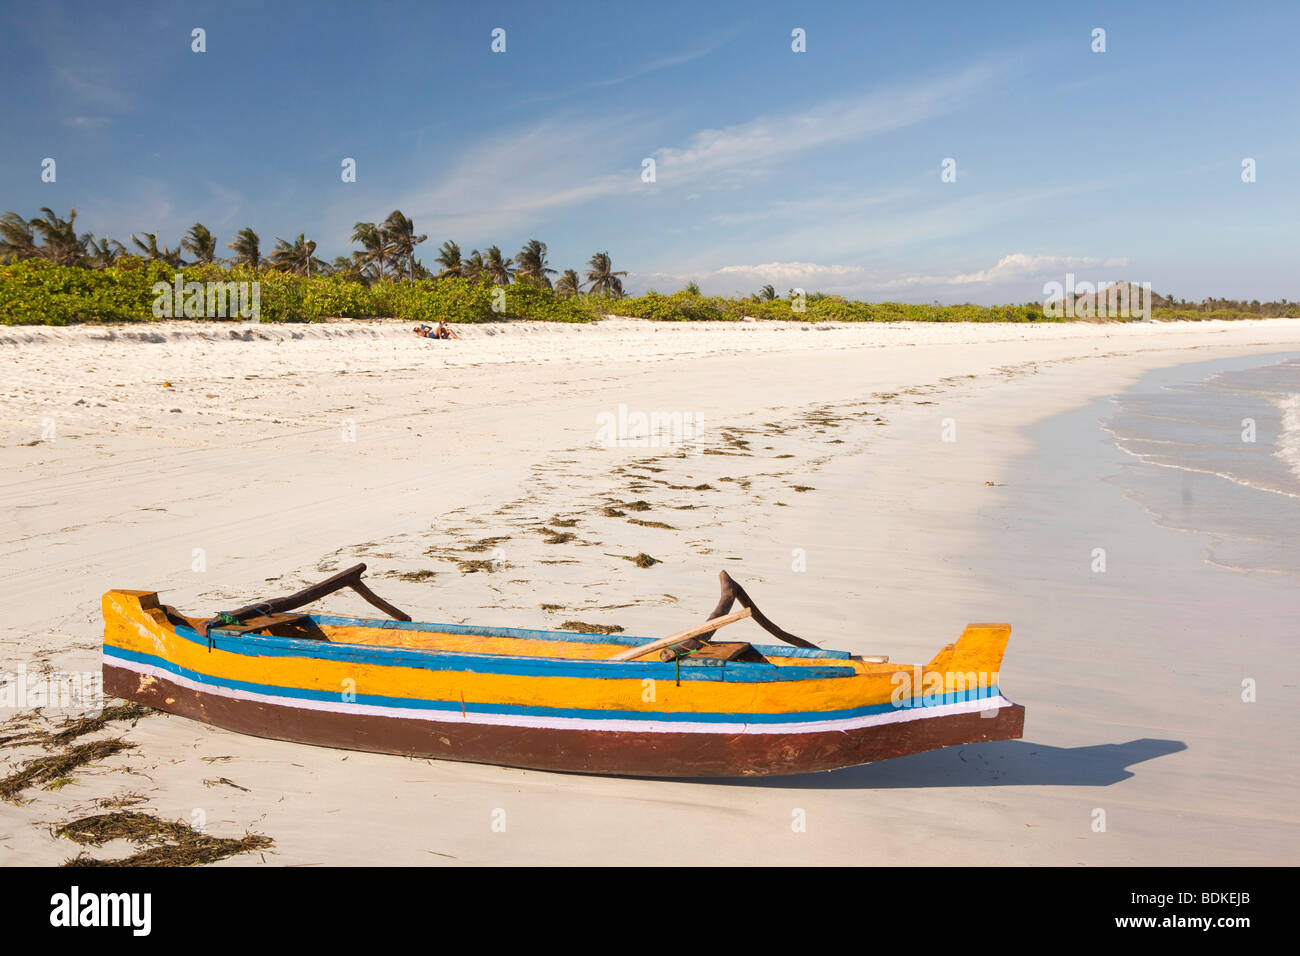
1288 443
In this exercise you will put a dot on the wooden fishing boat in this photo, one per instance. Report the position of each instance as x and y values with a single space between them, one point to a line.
681 706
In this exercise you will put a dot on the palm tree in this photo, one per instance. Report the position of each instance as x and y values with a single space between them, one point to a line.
604 280
153 254
247 248
17 241
375 245
474 266
348 267
105 252
531 263
297 257
61 245
692 287
765 294
401 236
449 259
496 267
201 243
568 283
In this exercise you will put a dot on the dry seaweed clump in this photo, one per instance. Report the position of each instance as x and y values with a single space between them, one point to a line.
486 544
416 576
650 524
54 768
71 729
162 842
582 627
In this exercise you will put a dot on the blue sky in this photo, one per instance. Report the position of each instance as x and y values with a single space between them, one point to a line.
818 169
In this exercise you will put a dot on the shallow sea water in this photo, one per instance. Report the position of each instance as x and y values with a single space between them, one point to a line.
1215 449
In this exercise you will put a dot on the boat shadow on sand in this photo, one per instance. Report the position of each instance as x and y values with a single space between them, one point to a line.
1002 763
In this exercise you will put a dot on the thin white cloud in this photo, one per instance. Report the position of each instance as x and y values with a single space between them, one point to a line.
666 62
1018 265
777 273
511 181
94 87
88 122
1020 273
750 148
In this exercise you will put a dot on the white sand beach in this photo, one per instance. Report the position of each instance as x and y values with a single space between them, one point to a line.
220 463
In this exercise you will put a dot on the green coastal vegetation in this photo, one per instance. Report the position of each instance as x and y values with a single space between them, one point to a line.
52 275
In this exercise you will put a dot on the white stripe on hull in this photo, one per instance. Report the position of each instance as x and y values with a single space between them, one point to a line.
612 725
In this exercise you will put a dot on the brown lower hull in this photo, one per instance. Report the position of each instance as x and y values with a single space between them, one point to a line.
573 751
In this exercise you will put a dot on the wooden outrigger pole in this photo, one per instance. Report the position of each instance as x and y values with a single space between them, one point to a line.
351 578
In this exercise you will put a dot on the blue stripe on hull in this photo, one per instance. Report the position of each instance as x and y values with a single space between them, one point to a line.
767 650
456 706
689 668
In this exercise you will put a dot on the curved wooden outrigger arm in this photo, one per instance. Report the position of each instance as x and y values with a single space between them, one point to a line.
731 591
351 578
696 637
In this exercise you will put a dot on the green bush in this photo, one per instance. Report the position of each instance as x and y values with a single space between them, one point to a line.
36 292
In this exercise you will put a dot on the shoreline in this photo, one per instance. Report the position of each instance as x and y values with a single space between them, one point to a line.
899 529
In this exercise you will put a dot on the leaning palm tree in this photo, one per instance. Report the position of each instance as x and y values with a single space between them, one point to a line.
568 283
17 240
60 242
531 264
498 269
152 253
103 253
604 280
247 248
297 257
200 243
449 259
474 266
401 235
348 267
765 294
376 247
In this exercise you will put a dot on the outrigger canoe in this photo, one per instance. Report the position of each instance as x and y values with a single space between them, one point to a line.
681 706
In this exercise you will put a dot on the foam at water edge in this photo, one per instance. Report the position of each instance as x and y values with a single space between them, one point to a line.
1288 442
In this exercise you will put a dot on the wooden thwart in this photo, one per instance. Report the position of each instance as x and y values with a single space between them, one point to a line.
708 627
261 623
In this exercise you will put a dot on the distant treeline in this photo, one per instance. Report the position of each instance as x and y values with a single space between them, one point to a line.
51 275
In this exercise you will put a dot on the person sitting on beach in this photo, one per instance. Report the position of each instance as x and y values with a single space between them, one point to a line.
443 331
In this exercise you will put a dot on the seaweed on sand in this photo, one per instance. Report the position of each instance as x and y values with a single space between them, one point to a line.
486 544
56 766
650 524
641 560
582 627
163 842
69 730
